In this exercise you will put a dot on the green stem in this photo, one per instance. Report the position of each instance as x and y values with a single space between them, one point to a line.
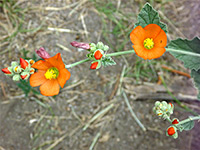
189 119
169 120
77 63
132 51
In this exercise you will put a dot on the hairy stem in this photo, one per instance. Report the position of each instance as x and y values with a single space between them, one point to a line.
189 119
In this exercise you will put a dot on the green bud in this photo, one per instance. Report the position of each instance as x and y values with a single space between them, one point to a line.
164 103
92 49
16 77
106 48
25 75
17 69
92 45
159 113
14 63
157 103
100 45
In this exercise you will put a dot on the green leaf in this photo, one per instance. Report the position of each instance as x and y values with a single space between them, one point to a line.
188 125
196 77
187 46
148 15
108 61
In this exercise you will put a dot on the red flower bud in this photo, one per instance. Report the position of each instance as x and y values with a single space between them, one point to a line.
6 71
171 131
80 45
23 63
171 104
98 55
42 53
94 65
23 76
175 121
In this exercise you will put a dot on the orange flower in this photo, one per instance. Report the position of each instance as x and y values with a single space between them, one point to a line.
50 76
149 42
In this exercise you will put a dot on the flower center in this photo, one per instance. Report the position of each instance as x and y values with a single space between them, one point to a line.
52 73
148 43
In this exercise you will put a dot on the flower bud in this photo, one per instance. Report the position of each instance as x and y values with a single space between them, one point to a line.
23 63
80 45
24 75
100 45
106 48
17 69
32 70
98 54
175 121
42 53
16 77
94 65
31 61
171 131
6 71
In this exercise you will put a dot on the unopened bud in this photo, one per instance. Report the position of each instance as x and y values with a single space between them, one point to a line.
171 131
32 70
23 63
175 121
98 54
31 61
80 45
42 53
24 75
6 71
94 65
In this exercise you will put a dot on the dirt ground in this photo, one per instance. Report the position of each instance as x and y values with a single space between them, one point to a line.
90 112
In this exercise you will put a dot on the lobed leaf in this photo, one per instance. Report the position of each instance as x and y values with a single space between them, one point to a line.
148 15
188 125
108 61
190 46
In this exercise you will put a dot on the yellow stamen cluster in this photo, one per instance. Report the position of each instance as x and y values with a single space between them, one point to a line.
51 73
16 69
148 43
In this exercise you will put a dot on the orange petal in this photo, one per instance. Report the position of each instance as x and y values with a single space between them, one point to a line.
155 52
141 51
50 88
161 39
64 75
137 36
152 30
56 61
37 78
41 65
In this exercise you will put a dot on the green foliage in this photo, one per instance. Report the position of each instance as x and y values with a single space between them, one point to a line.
193 46
25 86
188 51
196 77
148 15
108 61
188 125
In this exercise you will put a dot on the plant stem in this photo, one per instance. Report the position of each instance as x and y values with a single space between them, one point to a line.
132 51
189 119
77 63
169 120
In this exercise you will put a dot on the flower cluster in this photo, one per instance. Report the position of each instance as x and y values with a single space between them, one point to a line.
163 109
20 70
97 52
